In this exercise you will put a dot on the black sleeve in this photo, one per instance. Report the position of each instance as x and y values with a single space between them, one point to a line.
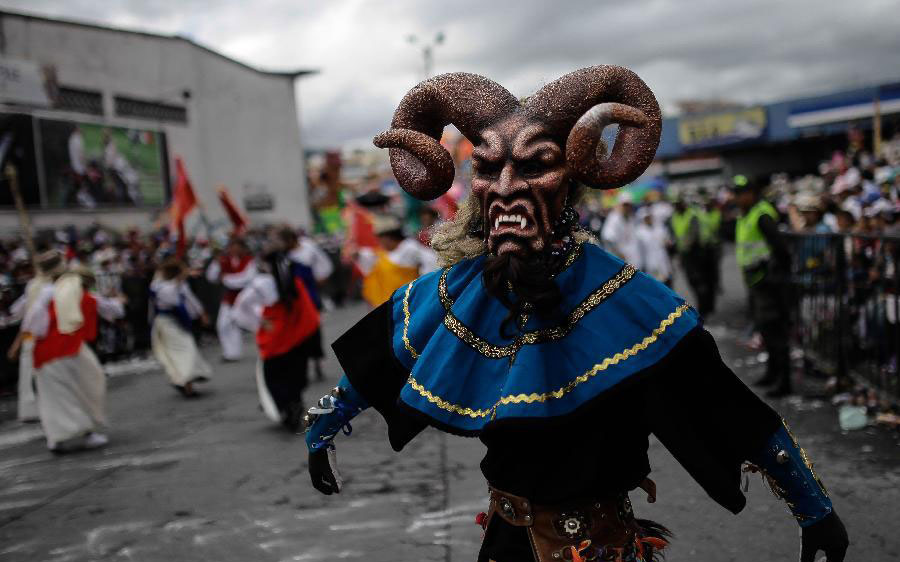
775 241
707 418
366 354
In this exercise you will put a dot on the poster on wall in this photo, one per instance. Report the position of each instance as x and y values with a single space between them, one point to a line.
89 165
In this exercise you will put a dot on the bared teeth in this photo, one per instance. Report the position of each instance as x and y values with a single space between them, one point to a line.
517 220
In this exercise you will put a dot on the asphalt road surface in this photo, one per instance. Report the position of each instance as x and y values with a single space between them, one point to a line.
211 479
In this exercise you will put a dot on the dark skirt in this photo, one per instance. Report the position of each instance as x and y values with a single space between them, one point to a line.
285 378
313 345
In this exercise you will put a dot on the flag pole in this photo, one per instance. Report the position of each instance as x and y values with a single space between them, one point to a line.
12 177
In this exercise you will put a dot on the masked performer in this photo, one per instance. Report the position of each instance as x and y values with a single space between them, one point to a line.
175 309
71 385
234 269
561 358
278 307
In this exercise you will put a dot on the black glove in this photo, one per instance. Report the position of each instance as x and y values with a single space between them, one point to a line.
828 535
324 472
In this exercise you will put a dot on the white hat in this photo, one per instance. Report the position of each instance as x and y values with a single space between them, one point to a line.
625 197
852 207
839 186
878 207
806 201
852 177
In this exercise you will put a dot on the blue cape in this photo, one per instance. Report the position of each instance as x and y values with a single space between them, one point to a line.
465 375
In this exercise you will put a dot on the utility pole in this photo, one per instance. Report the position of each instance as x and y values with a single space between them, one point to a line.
876 127
427 50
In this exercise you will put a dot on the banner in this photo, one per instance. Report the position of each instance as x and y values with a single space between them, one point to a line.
88 165
724 128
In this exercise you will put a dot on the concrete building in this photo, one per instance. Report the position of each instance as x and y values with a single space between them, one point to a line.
107 110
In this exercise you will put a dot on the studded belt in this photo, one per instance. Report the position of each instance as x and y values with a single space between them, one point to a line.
596 530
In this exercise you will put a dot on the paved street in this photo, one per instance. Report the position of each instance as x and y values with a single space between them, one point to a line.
211 479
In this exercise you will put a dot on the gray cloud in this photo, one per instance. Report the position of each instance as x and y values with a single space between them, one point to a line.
750 51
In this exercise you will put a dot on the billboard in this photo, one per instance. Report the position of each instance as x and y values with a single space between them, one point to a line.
723 128
81 165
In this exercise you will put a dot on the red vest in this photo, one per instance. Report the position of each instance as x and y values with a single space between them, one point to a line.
231 265
289 326
55 345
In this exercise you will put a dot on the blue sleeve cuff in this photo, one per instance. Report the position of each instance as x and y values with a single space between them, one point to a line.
345 404
792 478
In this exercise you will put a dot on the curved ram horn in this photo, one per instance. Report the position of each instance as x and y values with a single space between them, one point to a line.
471 102
577 106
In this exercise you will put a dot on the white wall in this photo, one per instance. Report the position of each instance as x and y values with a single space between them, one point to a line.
242 125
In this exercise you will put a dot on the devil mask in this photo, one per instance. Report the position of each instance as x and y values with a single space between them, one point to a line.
526 154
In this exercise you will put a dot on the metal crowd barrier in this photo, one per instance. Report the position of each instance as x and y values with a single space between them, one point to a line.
845 306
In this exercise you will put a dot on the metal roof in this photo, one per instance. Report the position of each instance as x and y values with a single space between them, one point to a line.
291 74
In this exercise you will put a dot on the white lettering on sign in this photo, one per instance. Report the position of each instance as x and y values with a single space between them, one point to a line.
22 82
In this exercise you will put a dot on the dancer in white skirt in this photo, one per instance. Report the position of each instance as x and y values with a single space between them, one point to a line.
175 308
71 385
234 269
49 264
278 307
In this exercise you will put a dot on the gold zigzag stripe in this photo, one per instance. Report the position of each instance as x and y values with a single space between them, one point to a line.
559 393
409 347
482 346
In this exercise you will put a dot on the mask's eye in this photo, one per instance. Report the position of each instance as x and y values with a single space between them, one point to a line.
485 169
532 168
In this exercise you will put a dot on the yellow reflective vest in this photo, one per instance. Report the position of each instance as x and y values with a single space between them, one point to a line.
681 227
752 249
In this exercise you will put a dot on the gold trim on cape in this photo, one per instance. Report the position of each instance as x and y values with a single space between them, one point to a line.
482 346
406 343
560 392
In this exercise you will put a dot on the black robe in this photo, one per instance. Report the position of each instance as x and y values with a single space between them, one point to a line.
690 400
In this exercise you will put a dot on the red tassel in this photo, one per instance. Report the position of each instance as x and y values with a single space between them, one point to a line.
481 520
655 542
576 553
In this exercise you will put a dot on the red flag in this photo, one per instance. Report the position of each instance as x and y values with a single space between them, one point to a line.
360 233
183 202
235 214
361 228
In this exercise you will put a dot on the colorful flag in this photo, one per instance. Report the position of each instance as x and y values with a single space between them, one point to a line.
235 214
183 202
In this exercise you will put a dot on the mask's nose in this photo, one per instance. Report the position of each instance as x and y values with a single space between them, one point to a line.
509 182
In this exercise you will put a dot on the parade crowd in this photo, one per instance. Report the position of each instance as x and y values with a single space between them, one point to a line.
147 297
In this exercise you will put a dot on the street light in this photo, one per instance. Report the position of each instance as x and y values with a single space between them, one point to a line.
427 49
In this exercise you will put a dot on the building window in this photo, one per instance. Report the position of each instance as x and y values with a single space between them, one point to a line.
82 101
152 110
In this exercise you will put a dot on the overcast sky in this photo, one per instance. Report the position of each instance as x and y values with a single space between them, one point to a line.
749 51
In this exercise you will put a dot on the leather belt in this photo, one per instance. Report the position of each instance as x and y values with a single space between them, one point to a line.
554 531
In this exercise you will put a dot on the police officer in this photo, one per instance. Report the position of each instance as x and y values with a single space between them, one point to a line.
764 260
711 221
690 238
